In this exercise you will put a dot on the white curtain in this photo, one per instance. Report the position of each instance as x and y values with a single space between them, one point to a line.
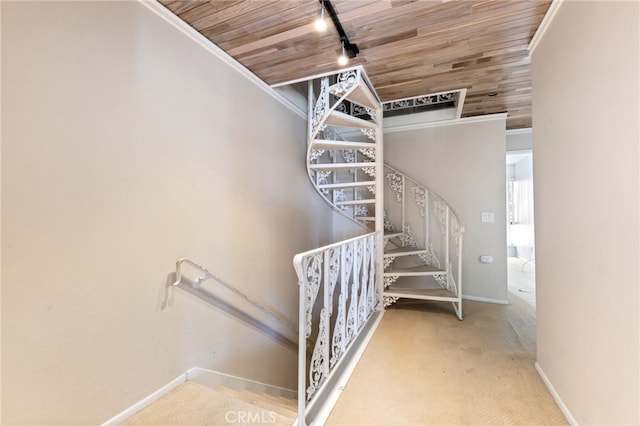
522 234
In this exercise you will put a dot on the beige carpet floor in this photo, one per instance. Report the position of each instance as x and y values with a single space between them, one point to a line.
425 367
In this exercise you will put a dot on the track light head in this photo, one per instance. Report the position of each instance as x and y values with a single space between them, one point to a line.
343 59
320 23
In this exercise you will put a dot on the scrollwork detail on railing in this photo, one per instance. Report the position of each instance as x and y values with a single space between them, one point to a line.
456 232
321 107
330 133
313 275
372 293
388 261
346 81
363 302
360 211
334 271
371 171
341 107
429 257
389 300
348 261
338 196
388 280
371 188
446 281
352 315
388 226
395 182
319 364
369 152
420 198
339 330
315 154
439 209
406 238
371 113
349 155
370 133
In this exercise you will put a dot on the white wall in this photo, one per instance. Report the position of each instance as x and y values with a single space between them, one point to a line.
126 145
519 140
465 164
585 157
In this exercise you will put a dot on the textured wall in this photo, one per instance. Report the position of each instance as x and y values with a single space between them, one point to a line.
464 164
126 145
585 159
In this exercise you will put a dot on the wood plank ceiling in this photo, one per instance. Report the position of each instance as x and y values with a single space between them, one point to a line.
408 48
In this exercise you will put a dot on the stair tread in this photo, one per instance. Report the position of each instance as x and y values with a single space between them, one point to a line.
348 184
283 406
392 234
333 144
421 293
367 218
337 118
360 95
341 166
355 202
404 251
414 271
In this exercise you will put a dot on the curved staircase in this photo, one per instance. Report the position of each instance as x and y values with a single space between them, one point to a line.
345 286
343 165
344 171
412 265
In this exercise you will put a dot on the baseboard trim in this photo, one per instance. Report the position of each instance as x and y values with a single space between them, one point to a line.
146 401
565 410
485 299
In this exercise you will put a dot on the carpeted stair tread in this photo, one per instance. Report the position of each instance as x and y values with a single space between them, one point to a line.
263 400
283 401
195 404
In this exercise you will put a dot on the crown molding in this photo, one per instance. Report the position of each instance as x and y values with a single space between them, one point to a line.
544 25
452 122
165 14
524 131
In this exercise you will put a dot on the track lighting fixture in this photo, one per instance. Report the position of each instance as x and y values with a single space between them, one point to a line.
349 50
343 59
321 23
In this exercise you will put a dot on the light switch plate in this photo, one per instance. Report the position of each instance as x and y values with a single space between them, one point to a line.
488 216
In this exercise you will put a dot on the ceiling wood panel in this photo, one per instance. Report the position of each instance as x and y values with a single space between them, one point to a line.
408 47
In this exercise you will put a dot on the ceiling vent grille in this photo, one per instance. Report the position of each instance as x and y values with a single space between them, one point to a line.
432 102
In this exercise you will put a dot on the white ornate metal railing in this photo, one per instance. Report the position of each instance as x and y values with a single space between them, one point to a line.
340 288
419 211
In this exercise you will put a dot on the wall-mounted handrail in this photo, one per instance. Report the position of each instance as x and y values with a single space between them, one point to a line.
197 283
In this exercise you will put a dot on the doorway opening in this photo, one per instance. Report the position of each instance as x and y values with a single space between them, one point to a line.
520 226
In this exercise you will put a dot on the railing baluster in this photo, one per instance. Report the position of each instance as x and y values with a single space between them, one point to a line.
447 235
302 351
426 217
404 205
